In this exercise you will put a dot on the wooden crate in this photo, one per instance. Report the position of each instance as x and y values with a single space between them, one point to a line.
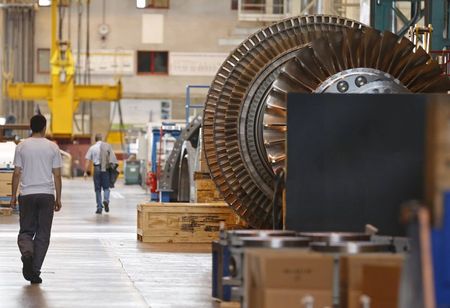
5 184
6 176
182 222
5 189
205 189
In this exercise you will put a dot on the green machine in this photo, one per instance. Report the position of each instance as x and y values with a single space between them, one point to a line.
132 172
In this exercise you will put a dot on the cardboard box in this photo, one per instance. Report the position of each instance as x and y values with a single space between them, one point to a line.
352 270
382 284
284 277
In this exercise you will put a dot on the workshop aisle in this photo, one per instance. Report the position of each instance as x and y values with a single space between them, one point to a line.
95 260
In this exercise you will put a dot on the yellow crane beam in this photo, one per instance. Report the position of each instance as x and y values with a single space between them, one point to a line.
29 91
62 94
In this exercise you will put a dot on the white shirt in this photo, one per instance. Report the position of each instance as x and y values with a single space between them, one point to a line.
93 154
37 157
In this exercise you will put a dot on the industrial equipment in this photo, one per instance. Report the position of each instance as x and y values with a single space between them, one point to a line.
131 172
177 176
244 123
228 256
163 143
222 265
230 251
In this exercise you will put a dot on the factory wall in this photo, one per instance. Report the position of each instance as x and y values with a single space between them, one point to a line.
2 107
188 26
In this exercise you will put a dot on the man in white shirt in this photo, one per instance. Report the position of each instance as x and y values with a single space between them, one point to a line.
101 155
37 166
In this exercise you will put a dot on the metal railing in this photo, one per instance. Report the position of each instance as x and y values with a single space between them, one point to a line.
263 10
188 106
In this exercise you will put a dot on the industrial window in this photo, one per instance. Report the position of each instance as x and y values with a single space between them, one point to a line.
262 6
152 62
43 61
234 4
152 4
253 6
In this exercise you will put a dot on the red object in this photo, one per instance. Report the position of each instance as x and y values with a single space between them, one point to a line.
151 181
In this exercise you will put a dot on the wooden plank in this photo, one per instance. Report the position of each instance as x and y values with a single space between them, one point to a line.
176 207
202 176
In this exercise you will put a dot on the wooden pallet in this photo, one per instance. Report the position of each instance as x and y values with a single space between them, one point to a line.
230 305
5 211
182 222
217 303
4 200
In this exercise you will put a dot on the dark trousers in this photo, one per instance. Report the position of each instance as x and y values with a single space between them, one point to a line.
36 217
101 181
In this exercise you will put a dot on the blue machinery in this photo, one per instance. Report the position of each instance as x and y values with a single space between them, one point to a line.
220 269
188 105
384 14
170 129
441 257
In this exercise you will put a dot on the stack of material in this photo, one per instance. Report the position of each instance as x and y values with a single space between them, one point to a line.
5 192
205 189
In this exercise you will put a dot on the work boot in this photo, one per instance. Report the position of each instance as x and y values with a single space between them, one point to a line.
35 278
106 205
27 269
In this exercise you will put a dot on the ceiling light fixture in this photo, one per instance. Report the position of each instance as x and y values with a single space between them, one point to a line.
44 2
141 4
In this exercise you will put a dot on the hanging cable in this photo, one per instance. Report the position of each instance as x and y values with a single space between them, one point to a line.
88 55
103 12
121 127
111 120
61 20
69 21
78 64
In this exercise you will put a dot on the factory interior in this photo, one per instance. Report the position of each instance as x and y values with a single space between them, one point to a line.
225 153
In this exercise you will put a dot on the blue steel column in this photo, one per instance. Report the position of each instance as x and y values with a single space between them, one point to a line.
439 17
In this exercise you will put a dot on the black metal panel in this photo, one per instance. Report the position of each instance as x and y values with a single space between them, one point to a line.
353 159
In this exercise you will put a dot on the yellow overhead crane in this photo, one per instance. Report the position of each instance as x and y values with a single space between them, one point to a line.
63 95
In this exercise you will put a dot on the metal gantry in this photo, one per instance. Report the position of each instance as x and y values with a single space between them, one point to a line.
63 94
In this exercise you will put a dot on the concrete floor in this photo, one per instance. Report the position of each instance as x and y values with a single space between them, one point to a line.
96 261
